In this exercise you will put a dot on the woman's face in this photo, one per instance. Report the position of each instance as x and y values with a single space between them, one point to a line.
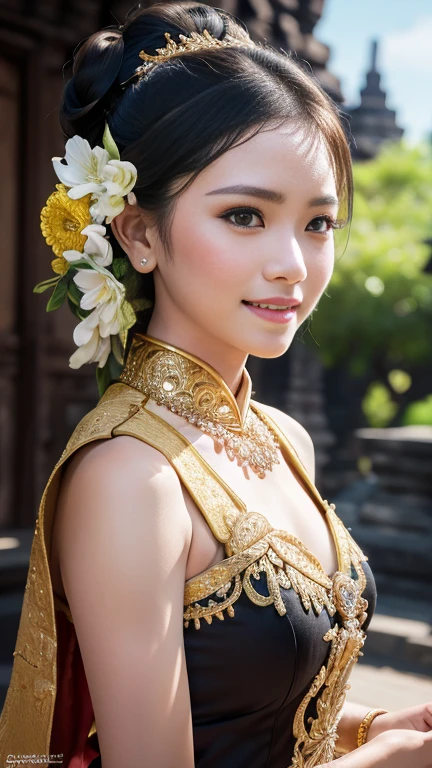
254 226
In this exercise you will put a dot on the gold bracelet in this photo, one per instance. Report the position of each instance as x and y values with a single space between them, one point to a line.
366 724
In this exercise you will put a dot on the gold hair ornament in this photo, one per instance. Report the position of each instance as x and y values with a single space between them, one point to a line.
196 42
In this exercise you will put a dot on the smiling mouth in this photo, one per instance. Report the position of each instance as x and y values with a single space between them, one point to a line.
280 307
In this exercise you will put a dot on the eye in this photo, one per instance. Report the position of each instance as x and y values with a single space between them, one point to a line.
329 221
243 215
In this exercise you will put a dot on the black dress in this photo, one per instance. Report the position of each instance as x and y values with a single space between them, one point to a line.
248 675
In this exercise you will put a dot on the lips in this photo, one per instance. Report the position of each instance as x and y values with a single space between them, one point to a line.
278 301
273 313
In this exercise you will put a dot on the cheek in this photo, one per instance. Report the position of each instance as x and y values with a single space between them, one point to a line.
205 255
320 265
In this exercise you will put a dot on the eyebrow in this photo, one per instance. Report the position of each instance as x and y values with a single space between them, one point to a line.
270 195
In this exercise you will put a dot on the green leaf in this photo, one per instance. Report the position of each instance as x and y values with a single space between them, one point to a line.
83 313
103 378
109 144
117 349
119 267
58 296
109 373
82 264
115 367
140 304
45 284
128 316
73 307
74 293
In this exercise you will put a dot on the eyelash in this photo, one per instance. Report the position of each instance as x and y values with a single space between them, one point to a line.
334 223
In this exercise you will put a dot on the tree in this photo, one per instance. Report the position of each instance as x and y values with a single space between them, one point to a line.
377 309
376 314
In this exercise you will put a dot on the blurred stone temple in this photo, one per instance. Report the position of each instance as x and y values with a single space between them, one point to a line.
372 122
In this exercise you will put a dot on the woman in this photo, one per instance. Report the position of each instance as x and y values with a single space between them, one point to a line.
191 599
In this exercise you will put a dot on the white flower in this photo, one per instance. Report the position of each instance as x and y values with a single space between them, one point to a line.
96 349
92 171
104 293
83 171
107 207
100 174
97 249
120 178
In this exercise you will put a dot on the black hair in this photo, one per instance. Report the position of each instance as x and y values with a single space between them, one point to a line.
182 114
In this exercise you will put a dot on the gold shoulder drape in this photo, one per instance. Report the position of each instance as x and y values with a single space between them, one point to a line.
26 721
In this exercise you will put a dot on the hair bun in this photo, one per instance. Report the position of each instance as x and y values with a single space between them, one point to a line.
87 95
145 29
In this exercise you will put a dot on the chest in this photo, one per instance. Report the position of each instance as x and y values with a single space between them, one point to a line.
281 497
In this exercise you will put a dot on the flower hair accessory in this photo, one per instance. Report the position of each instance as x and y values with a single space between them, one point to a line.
94 184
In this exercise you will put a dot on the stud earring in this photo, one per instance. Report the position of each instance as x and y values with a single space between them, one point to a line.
143 262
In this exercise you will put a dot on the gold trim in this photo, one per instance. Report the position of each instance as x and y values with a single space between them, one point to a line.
316 737
206 388
285 560
193 389
286 564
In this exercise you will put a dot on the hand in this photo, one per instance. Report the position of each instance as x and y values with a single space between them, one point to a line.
393 748
418 718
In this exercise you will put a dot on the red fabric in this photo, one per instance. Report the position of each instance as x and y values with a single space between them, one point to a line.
73 712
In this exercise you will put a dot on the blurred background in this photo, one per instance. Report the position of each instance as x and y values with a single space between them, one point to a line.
358 376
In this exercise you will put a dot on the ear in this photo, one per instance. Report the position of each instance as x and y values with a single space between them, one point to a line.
137 236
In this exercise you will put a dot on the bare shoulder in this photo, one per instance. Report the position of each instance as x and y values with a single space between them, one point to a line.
122 476
297 435
123 463
123 452
124 536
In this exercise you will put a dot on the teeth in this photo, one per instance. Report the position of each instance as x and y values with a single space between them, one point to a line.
269 306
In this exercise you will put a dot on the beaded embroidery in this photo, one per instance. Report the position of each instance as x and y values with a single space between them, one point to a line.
188 386
285 560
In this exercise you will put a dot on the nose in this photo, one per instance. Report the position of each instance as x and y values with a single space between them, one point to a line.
286 262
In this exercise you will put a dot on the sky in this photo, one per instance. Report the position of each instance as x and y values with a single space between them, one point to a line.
404 31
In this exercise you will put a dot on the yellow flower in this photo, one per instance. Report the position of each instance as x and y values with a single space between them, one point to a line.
62 220
60 265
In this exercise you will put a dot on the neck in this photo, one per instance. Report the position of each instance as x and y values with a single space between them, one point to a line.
227 361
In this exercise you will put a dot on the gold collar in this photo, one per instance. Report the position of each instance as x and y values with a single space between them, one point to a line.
185 383
194 390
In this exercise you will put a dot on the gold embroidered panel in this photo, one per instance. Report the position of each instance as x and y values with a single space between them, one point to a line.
285 560
287 563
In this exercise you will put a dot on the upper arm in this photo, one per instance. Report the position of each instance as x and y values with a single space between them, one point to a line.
297 435
124 535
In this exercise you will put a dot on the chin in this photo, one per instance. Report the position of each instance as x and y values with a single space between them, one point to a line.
269 346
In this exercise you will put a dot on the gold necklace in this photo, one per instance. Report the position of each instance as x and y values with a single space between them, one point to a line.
194 390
